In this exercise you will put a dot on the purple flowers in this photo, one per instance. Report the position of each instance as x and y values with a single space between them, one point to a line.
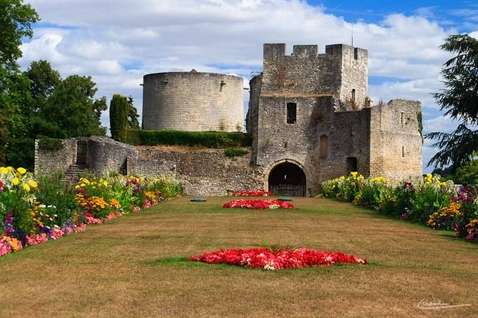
8 226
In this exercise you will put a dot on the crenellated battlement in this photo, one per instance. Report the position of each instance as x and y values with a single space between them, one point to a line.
342 71
278 50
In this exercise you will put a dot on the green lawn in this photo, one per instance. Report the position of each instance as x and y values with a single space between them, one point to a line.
134 267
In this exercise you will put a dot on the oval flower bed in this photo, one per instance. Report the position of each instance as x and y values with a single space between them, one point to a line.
269 259
258 204
251 193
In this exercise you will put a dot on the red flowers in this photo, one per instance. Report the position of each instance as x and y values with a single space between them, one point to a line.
268 259
251 193
258 204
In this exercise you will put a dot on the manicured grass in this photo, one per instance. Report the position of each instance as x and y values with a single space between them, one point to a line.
137 266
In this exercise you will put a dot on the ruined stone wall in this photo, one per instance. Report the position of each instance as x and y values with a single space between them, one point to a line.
396 141
102 155
193 102
49 161
200 171
253 113
107 155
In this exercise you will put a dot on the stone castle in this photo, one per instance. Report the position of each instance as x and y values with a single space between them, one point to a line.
309 116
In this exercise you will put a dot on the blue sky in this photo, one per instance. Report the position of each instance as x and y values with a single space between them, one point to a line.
118 42
445 12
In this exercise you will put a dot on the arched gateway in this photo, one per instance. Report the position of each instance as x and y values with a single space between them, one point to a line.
287 178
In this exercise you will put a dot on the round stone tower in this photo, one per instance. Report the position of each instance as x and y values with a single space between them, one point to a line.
193 101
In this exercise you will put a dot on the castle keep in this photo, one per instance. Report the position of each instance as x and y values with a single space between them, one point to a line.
309 116
311 111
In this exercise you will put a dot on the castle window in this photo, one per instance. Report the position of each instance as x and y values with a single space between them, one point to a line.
291 113
353 96
356 53
402 118
403 151
352 164
324 147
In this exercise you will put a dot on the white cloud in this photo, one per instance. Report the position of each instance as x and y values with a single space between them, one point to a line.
118 42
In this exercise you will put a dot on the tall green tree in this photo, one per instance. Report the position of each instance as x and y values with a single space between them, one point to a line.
16 19
133 116
44 79
123 115
119 111
72 110
459 100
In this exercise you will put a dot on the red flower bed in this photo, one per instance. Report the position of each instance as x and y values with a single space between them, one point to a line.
268 259
251 193
258 204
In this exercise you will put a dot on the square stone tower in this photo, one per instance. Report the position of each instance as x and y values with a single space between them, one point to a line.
311 111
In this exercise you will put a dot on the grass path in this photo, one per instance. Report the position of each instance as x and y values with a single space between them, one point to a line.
134 267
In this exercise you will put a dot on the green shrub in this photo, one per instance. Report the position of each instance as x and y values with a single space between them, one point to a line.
168 187
57 198
415 202
235 152
209 139
119 109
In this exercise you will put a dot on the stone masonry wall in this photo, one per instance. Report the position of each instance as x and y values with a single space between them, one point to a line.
193 102
396 142
306 73
50 161
200 171
107 155
348 137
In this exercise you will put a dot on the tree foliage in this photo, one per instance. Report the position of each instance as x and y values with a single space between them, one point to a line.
72 110
16 20
133 116
459 100
119 111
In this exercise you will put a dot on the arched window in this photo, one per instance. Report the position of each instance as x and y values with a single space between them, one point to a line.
353 96
324 147
291 113
356 53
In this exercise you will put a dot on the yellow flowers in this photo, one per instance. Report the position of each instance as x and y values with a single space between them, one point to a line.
21 171
26 187
6 170
93 202
443 217
32 183
378 180
15 181
115 204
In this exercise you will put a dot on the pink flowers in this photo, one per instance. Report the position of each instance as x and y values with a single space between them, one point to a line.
56 233
9 245
252 193
80 228
5 247
268 259
90 219
258 204
113 215
2 185
36 239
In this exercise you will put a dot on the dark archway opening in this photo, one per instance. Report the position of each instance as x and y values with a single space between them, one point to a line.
287 179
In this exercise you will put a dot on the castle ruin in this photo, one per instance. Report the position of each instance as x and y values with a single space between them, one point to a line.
309 116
